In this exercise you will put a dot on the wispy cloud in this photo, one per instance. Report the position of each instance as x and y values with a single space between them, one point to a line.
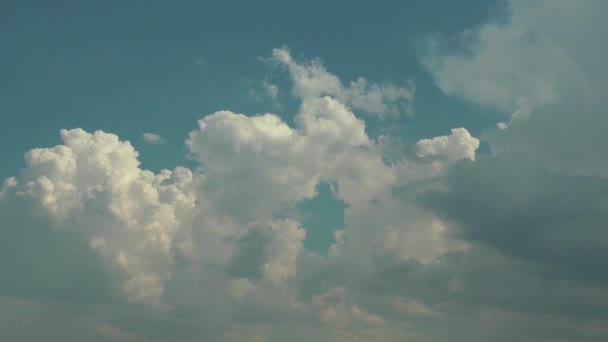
153 139
263 91
312 79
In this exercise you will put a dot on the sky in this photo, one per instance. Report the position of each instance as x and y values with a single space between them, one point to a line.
303 171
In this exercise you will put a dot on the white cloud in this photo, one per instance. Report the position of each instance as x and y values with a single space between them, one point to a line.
273 163
153 139
313 80
92 186
538 53
458 145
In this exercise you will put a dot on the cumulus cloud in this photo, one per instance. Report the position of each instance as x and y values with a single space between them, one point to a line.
458 145
285 164
149 234
181 239
92 186
153 139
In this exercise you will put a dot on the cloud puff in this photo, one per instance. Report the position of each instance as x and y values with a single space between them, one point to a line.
153 139
458 145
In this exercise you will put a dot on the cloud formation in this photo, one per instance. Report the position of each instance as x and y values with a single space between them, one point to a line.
92 186
458 145
182 239
440 244
312 80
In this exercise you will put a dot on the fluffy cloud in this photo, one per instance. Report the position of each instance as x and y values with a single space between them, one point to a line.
179 241
92 187
458 145
284 164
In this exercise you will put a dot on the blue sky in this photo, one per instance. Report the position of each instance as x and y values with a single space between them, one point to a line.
271 171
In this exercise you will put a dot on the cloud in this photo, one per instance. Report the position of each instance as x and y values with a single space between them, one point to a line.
92 187
437 245
283 164
157 244
546 71
271 90
526 211
535 209
504 62
458 145
270 251
313 80
526 58
263 91
153 139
